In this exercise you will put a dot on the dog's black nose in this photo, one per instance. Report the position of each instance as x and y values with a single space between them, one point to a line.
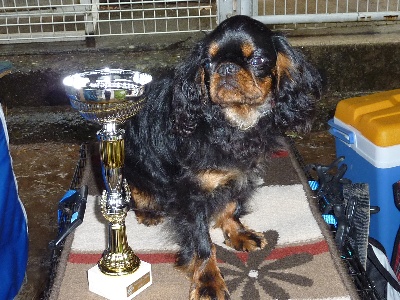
228 69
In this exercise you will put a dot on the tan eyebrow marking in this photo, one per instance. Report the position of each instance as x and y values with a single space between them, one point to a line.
247 49
213 50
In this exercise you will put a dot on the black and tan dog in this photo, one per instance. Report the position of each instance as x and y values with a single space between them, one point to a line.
194 152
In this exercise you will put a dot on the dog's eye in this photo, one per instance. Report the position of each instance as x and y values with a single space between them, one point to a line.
207 64
257 61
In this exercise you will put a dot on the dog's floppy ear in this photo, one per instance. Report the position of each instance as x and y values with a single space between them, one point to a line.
188 92
298 86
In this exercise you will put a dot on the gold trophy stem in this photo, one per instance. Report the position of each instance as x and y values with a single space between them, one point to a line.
118 258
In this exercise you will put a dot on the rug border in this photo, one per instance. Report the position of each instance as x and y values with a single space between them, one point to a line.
59 271
333 250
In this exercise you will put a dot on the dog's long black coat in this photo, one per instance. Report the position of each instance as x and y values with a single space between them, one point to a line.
182 131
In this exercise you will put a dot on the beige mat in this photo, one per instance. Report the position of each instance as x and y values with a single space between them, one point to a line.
300 261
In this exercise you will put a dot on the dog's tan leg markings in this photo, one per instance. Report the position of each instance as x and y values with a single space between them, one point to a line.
236 234
146 209
211 179
207 281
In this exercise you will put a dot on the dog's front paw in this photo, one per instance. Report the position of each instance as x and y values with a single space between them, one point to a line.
245 240
209 288
207 281
148 218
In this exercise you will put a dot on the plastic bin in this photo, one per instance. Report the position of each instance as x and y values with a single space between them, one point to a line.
367 134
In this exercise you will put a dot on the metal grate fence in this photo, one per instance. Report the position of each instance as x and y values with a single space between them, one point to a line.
41 20
45 19
49 20
316 11
140 17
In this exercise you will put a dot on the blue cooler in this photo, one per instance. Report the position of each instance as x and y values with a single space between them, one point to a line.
367 134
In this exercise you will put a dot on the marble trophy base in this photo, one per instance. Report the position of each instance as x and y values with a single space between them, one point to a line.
120 287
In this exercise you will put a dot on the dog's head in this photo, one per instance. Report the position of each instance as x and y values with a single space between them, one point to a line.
248 72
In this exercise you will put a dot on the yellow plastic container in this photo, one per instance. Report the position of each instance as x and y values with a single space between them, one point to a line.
375 116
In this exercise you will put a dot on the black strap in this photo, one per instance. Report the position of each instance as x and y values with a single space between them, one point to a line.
375 261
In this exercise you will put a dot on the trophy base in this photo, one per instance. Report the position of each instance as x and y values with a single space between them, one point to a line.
120 287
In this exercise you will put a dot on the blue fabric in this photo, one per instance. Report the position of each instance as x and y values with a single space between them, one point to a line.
13 227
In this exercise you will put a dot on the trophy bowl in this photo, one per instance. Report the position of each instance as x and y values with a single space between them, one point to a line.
107 94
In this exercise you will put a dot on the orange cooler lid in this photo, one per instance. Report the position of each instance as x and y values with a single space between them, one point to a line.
375 116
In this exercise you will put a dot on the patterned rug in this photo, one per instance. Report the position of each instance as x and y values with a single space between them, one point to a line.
299 262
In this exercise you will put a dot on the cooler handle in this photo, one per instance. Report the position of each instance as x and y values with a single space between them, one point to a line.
341 133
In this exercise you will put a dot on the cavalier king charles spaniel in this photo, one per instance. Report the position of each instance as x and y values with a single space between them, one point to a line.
195 152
